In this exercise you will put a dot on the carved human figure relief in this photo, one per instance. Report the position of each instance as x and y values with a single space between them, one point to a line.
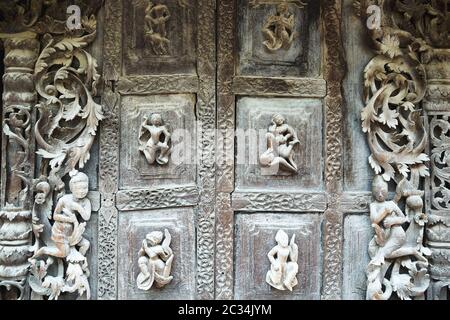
281 142
63 245
156 18
155 140
155 260
397 244
278 29
283 263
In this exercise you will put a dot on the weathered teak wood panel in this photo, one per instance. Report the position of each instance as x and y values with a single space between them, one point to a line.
178 136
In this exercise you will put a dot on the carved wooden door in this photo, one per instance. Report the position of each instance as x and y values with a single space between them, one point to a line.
216 135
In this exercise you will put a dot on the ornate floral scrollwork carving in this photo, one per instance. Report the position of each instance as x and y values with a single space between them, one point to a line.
155 260
395 85
63 75
66 80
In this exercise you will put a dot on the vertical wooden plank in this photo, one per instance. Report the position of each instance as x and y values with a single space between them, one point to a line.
206 116
225 149
109 154
334 71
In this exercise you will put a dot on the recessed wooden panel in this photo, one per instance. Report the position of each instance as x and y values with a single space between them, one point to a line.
303 56
133 228
254 117
255 237
178 114
179 56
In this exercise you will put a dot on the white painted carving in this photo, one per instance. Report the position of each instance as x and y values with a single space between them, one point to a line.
155 260
283 259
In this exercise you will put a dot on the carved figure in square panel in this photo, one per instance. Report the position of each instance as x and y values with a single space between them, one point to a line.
270 151
155 260
279 28
159 36
156 17
155 140
283 263
276 38
158 135
63 245
268 263
281 141
155 254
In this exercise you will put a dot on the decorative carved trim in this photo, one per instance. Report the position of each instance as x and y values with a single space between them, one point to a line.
131 200
206 115
279 202
224 272
109 153
112 41
334 72
294 87
108 186
355 202
158 84
224 247
333 242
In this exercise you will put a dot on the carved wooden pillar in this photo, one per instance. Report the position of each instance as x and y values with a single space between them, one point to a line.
19 99
437 106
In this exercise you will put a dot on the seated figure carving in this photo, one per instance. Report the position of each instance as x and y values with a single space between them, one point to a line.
281 141
283 259
155 260
154 140
64 243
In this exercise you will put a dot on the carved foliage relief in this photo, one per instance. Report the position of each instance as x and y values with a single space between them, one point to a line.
401 77
64 76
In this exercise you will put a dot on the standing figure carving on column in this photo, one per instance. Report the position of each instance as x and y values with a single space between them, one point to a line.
66 242
396 246
283 259
281 141
155 260
156 17
154 140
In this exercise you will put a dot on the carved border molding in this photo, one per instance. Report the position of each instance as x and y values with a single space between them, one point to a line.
279 202
130 200
294 87
355 202
224 271
157 84
334 72
109 154
206 114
